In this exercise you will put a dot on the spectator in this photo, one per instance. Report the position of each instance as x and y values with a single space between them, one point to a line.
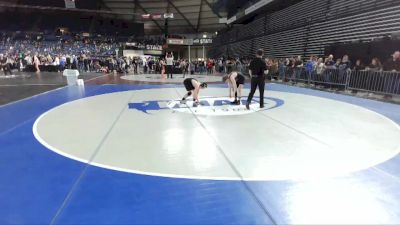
297 68
36 63
229 66
282 68
344 68
338 61
5 64
392 84
63 61
184 67
393 64
290 70
239 65
210 65
273 68
375 65
329 62
170 63
359 65
56 62
311 66
320 67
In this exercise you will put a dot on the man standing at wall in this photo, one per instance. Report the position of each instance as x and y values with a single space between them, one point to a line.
257 70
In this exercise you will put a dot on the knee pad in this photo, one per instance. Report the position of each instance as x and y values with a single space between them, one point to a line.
189 93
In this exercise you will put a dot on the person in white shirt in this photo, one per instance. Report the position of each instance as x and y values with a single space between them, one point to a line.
28 60
320 66
56 63
170 63
144 63
36 63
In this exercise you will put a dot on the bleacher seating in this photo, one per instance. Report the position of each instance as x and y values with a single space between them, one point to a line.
364 26
307 27
253 29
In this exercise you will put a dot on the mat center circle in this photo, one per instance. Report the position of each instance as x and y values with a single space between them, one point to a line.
144 132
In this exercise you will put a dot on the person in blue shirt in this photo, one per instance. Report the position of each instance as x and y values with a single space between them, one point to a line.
311 66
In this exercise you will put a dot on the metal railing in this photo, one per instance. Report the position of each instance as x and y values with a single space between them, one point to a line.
380 82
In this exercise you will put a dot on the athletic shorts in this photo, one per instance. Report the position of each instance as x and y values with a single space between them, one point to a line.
240 79
188 84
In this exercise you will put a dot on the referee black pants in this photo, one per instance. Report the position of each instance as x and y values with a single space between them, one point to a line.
260 82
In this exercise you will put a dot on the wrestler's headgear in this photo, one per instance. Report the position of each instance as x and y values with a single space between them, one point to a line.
204 85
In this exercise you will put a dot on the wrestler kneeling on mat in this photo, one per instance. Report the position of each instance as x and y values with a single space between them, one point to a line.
235 81
193 87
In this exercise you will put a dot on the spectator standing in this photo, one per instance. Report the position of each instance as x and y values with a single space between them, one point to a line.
170 63
162 64
81 64
144 63
392 84
4 64
184 67
202 66
230 66
374 74
375 65
358 78
344 68
311 66
338 61
63 61
36 63
282 68
330 69
220 66
209 66
320 67
393 64
330 63
358 66
289 68
28 60
56 63
239 65
298 67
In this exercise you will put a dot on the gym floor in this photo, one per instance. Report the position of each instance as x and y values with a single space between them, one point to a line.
122 150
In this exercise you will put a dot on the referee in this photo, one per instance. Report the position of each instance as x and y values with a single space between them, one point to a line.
257 70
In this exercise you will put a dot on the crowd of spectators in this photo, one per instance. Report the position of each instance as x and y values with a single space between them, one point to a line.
30 52
376 75
33 52
340 73
292 67
200 66
36 52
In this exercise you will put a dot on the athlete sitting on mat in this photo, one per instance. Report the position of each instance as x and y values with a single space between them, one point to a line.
235 81
193 87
